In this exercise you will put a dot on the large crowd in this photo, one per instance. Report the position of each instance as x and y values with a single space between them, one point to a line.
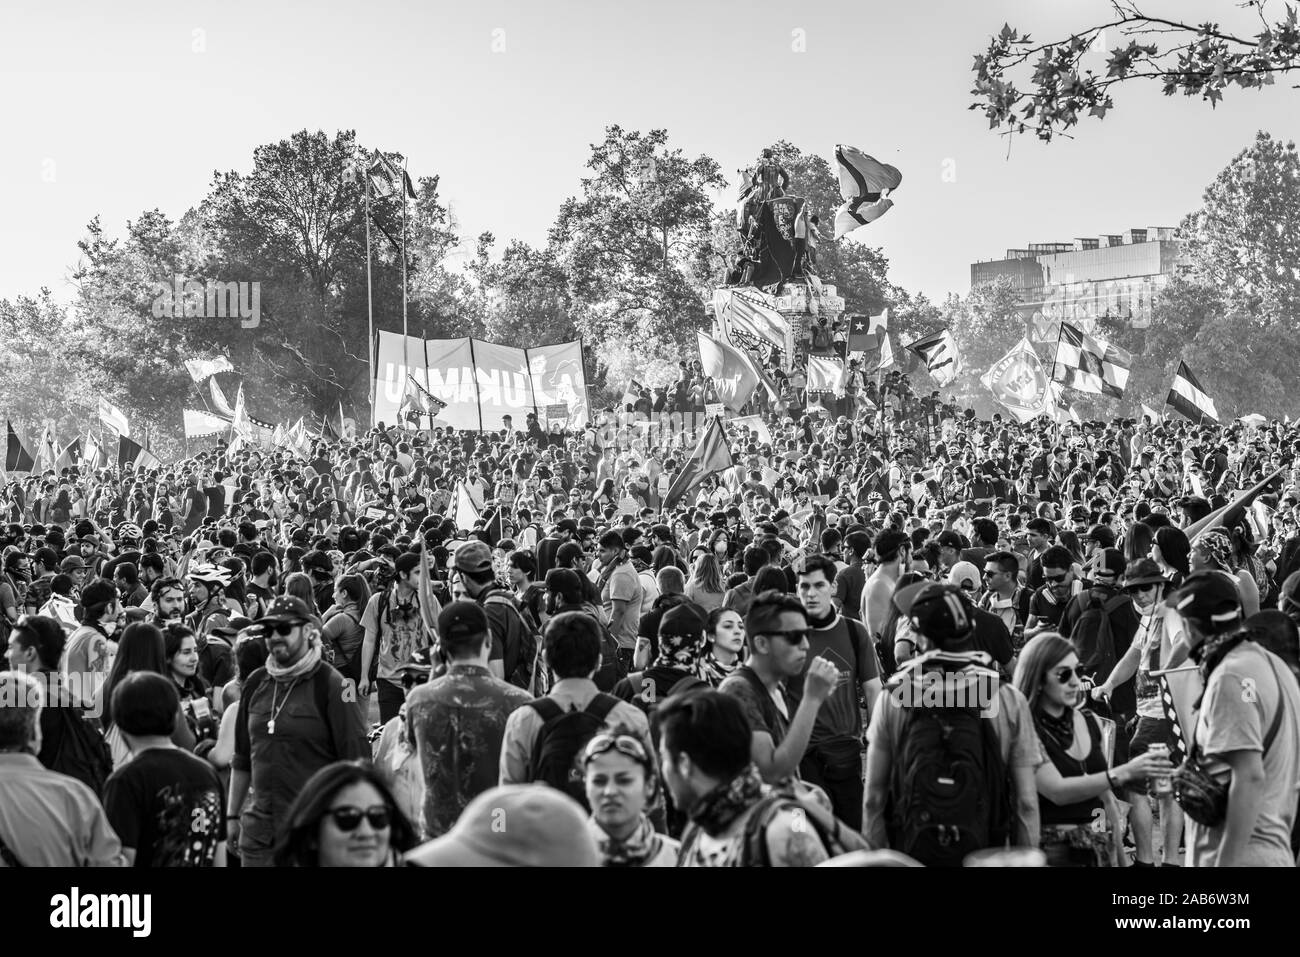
890 634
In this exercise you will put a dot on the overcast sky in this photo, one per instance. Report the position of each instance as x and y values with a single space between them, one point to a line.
111 109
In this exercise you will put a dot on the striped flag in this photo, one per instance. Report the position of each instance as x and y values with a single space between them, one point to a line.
886 355
130 452
113 417
17 458
752 314
1189 398
94 456
630 395
219 400
865 185
940 354
387 178
868 333
1155 417
1088 364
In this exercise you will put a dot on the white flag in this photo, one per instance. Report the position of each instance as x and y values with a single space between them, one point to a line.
201 369
113 417
199 423
466 513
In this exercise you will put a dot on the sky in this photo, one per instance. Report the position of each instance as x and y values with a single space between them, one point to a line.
113 109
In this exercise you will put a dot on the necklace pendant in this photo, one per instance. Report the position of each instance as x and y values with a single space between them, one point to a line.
270 726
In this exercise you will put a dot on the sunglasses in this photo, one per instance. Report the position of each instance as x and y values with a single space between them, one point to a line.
1063 674
1055 579
348 818
795 636
284 628
622 743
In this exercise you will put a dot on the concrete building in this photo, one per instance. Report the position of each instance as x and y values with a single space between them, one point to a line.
1115 276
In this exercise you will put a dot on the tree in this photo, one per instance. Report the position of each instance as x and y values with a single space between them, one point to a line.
632 245
41 379
1193 59
1245 238
526 293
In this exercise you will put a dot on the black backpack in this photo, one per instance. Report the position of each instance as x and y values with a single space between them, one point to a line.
557 752
82 753
951 793
1093 637
646 693
522 675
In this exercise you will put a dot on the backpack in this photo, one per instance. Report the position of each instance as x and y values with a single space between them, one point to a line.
1092 637
525 664
951 795
557 752
836 836
82 752
646 694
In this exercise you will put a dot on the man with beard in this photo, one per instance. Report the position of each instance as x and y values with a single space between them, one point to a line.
295 716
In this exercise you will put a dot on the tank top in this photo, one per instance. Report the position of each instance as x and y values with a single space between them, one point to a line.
1080 812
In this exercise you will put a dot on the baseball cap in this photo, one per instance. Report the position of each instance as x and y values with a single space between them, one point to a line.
547 828
1111 563
937 610
567 525
1209 598
462 619
964 573
473 557
286 608
71 563
682 621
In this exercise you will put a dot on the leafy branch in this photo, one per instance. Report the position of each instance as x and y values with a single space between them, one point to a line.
1202 60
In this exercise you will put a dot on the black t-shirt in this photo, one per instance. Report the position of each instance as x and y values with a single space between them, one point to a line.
216 495
991 635
167 804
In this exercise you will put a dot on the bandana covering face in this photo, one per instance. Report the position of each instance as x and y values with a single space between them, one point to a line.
716 810
677 651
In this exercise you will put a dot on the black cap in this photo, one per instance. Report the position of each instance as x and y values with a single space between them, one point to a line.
462 619
937 610
286 608
1210 598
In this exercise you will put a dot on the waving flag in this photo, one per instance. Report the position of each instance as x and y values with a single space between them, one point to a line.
417 402
868 333
825 375
940 354
1189 398
112 417
631 394
200 369
466 513
130 452
753 315
429 606
1089 364
95 456
1018 381
69 456
886 356
388 178
1155 417
710 456
17 458
732 371
219 400
199 424
239 421
865 185
46 453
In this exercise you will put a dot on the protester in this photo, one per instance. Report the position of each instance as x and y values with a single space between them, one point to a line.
621 782
344 816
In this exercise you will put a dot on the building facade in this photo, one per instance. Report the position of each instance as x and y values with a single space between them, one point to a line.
1114 276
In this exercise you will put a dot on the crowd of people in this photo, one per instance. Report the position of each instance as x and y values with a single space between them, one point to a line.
890 634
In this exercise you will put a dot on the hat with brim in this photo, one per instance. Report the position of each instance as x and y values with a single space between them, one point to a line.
1143 571
514 826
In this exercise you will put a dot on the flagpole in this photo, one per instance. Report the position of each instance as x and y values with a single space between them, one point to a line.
406 345
370 305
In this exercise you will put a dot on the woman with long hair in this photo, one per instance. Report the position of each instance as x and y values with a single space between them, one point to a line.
605 496
724 650
705 586
621 783
299 585
344 816
1075 781
141 648
1172 552
343 631
1138 540
1070 539
181 651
